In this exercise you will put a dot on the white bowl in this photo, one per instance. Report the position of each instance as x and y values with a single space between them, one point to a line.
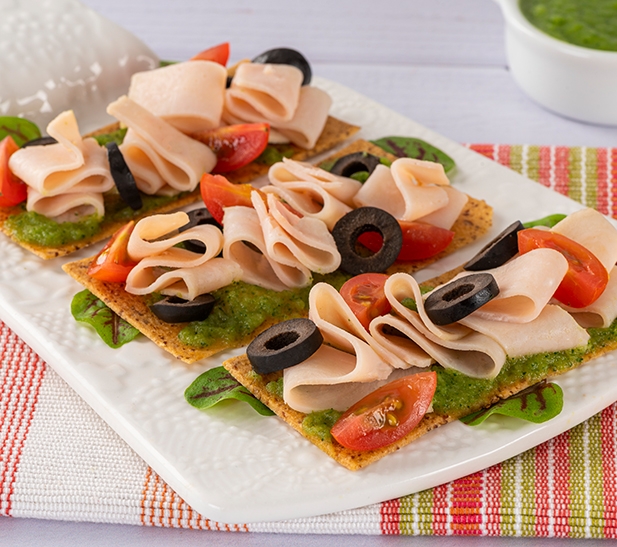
573 81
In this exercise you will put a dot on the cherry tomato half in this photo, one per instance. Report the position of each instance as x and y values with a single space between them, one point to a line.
218 54
365 296
388 414
420 240
235 145
217 193
12 190
113 263
586 277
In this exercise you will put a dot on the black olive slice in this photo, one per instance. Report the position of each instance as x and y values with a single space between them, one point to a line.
123 178
196 218
173 309
460 297
287 56
354 163
284 345
367 219
41 141
498 251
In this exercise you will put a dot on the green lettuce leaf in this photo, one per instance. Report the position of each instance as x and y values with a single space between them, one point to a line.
217 385
113 330
548 221
20 129
536 404
410 147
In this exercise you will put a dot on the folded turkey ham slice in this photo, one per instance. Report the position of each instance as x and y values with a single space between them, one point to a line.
172 270
69 176
341 371
412 190
312 191
188 95
244 244
274 94
162 159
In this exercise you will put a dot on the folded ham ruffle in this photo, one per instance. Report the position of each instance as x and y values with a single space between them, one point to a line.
274 94
188 95
412 190
171 270
163 160
344 369
68 176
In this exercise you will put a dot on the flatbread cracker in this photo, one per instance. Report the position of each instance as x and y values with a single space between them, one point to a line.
334 133
472 224
241 369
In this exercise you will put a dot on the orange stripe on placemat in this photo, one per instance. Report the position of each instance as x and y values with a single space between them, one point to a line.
161 506
21 375
545 166
466 505
608 434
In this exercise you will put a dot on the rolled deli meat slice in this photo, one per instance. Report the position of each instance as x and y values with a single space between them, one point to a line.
156 235
264 91
152 145
188 95
400 194
592 230
184 282
602 312
70 165
291 239
243 242
66 207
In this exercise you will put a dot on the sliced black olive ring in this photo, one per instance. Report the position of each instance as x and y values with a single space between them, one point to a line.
197 217
287 56
355 163
498 251
367 219
460 297
123 178
284 345
173 309
41 141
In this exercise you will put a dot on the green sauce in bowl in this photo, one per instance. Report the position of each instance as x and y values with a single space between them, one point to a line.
586 23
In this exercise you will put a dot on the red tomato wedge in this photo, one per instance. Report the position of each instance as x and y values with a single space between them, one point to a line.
113 263
388 414
586 277
12 190
365 297
218 54
217 193
235 145
420 240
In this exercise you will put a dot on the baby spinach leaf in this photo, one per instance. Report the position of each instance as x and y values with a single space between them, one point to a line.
548 221
113 330
217 385
116 136
536 404
20 129
410 147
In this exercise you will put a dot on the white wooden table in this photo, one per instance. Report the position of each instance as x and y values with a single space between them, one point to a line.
440 62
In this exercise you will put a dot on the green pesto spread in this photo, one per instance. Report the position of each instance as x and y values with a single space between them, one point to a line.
241 308
34 228
587 23
319 424
458 395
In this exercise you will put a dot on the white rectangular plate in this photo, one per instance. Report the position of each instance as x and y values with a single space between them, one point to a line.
233 465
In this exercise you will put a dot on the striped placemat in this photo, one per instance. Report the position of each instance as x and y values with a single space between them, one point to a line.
59 460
